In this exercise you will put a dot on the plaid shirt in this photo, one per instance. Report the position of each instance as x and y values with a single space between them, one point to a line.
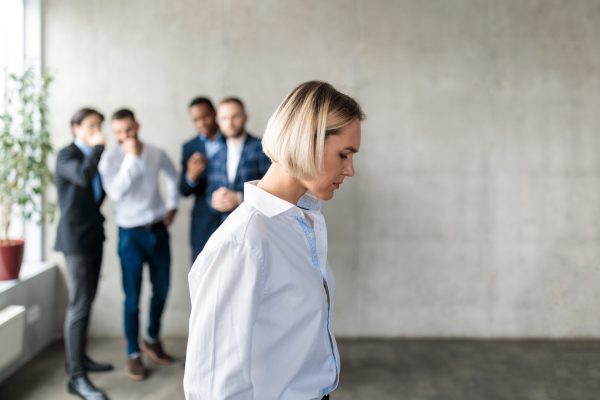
253 165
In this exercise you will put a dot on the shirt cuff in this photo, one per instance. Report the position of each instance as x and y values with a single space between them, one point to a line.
190 182
171 205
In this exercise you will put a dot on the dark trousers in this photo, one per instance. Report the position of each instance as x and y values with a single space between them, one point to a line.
83 274
138 246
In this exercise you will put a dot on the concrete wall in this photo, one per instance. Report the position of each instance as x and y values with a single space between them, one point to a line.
476 206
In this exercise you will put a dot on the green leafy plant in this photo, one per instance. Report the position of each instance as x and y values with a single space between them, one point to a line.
25 145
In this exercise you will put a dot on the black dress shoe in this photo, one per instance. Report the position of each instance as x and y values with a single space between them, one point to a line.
82 387
92 366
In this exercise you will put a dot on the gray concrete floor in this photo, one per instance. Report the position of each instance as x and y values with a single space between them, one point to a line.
371 369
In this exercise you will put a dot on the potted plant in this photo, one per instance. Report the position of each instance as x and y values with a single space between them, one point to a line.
25 145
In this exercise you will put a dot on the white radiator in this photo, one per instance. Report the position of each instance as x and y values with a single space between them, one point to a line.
12 326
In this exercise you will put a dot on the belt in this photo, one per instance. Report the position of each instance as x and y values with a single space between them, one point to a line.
150 227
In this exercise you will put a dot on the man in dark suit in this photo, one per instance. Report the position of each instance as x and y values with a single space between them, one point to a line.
80 237
240 161
196 154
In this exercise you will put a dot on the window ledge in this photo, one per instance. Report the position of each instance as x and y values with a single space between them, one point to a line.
28 271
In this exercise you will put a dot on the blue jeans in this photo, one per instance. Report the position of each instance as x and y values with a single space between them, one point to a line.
136 247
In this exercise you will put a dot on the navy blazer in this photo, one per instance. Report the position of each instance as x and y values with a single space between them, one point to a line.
253 165
204 220
80 227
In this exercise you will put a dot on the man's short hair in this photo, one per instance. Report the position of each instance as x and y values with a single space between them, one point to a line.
83 113
235 100
199 101
123 113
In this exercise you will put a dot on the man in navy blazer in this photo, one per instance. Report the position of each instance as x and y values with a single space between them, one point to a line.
197 154
80 236
240 161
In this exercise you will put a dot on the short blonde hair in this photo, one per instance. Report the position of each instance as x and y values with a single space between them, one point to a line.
296 132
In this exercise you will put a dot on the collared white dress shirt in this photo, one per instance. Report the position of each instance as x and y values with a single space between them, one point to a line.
234 155
132 183
262 295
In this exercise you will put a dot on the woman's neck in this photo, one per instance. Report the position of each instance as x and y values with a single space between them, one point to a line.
279 183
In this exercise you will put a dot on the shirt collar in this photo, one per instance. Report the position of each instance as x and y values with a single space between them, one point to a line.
204 138
85 149
271 205
310 202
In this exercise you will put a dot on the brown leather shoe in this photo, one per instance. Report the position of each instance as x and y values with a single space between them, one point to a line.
135 369
156 353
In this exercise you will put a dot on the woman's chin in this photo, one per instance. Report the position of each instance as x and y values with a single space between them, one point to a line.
324 195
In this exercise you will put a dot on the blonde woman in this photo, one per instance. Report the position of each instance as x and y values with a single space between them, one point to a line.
261 290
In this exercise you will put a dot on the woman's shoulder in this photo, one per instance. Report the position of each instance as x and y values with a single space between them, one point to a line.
244 227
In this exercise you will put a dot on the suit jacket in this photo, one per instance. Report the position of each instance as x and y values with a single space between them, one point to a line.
204 220
80 227
253 165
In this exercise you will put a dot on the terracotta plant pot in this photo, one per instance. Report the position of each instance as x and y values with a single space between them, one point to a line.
11 257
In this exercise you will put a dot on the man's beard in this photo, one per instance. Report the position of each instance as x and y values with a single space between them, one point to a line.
237 134
208 131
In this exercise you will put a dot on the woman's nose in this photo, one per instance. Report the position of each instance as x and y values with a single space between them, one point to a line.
349 169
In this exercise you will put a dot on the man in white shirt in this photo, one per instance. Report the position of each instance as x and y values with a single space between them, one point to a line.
130 175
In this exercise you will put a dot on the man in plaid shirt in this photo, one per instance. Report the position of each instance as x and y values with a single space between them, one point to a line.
242 160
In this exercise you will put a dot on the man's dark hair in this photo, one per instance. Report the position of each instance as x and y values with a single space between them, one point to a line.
199 101
123 113
83 113
232 99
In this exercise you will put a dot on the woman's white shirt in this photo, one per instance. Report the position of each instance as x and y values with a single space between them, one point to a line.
261 324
